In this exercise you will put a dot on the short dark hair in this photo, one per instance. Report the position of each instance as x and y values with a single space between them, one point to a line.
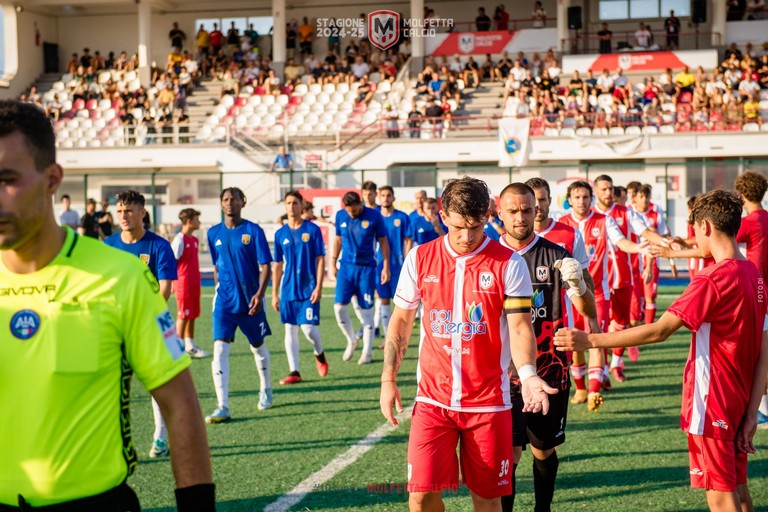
645 190
296 194
604 177
387 187
306 205
369 185
66 196
618 190
538 184
188 214
32 123
692 201
130 197
351 199
752 186
430 200
578 184
721 208
468 197
633 186
235 191
519 189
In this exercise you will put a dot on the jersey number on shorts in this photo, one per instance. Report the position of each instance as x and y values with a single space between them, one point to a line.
504 468
263 328
367 298
310 314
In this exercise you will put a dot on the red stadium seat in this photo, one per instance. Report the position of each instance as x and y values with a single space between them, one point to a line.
241 101
78 104
294 100
700 128
734 128
92 104
685 97
260 90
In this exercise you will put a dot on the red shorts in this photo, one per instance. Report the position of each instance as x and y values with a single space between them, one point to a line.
637 305
651 289
188 307
621 304
485 451
603 315
715 464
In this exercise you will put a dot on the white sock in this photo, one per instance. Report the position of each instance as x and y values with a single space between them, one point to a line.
616 361
189 344
367 330
220 369
313 335
345 322
606 371
261 355
292 346
356 307
377 314
764 405
160 432
385 312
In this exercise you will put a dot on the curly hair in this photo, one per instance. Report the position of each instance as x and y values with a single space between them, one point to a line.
130 197
468 197
752 186
720 207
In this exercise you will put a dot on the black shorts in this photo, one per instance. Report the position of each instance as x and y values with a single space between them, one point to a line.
542 432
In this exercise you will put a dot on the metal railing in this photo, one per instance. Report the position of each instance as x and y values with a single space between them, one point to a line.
587 42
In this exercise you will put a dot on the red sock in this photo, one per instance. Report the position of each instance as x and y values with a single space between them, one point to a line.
618 352
577 372
595 379
650 313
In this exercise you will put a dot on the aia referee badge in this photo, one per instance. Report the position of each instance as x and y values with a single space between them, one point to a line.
542 274
25 324
144 257
246 239
486 280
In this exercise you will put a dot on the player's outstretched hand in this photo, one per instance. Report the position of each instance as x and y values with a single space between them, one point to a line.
571 273
646 249
390 396
536 395
665 252
384 275
276 303
571 339
746 434
317 294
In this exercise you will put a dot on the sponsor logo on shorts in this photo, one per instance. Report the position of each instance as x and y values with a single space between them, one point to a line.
25 324
503 483
697 472
720 424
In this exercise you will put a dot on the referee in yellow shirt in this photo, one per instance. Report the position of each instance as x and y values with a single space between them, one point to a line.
72 335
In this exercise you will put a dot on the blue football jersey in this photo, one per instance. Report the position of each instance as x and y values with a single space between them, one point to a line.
298 249
359 236
237 254
154 250
490 230
422 231
398 227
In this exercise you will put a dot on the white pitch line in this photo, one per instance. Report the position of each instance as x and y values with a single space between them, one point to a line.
318 478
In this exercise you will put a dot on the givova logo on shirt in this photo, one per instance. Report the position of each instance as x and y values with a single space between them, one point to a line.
442 325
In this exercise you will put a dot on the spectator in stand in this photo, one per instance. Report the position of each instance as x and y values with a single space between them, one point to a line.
539 16
422 87
452 90
756 10
471 69
435 114
502 69
85 59
391 121
482 21
684 81
233 39
203 42
68 216
752 110
360 68
98 61
501 17
292 71
283 161
576 84
89 225
672 28
364 91
456 66
605 83
732 77
388 71
486 70
736 9
306 32
605 37
216 39
643 37
104 218
177 36
748 87
415 117
436 87
734 112
291 36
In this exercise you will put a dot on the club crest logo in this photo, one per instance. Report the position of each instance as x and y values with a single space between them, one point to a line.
467 42
383 29
595 231
144 258
305 237
246 239
620 221
542 274
486 280
365 224
25 324
397 223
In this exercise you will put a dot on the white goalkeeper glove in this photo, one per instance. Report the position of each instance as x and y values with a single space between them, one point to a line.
570 272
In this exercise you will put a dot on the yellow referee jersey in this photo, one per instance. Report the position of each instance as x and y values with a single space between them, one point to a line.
71 336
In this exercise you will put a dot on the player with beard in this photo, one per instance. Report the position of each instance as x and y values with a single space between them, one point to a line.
549 266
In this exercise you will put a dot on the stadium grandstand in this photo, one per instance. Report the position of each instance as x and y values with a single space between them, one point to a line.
180 100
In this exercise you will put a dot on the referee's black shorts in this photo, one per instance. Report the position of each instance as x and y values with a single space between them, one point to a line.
542 432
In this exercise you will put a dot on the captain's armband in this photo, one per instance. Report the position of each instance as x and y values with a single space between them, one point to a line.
517 305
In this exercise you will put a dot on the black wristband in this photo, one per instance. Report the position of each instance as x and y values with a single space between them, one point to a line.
197 498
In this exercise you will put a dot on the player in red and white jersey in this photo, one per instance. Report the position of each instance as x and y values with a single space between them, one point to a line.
637 304
656 219
620 270
724 376
597 230
569 238
187 286
476 301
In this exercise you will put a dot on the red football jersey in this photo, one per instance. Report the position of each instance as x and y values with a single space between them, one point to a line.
596 230
464 347
567 237
725 346
655 218
630 223
185 248
754 234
